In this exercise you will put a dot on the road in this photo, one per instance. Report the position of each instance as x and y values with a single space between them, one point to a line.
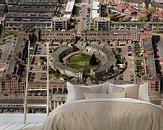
7 49
83 16
160 51
160 46
130 71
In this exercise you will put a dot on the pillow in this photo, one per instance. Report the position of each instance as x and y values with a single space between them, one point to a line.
71 95
143 92
103 95
131 90
76 92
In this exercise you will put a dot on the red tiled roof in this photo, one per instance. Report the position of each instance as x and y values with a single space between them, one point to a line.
121 6
131 10
158 14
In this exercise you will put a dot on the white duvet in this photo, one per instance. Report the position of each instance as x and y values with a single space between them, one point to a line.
105 114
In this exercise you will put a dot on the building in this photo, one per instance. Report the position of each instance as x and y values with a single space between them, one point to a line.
157 3
60 24
103 10
136 3
2 2
32 2
108 55
117 35
131 11
101 24
13 85
25 14
151 72
58 64
2 12
111 1
153 26
98 35
39 14
158 15
69 8
13 2
57 86
95 9
57 36
154 88
121 7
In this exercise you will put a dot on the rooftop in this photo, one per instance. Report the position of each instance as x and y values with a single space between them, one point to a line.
69 6
150 56
158 14
60 19
159 5
2 1
158 1
135 1
29 2
102 19
121 6
131 9
95 9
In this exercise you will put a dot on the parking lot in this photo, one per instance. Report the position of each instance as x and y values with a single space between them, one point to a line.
123 48
38 65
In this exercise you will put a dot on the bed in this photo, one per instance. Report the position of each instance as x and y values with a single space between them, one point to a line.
100 111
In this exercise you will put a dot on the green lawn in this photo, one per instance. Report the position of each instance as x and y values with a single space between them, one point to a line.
8 33
19 46
75 62
80 57
77 66
2 43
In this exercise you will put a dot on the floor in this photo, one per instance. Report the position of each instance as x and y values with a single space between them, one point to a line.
17 126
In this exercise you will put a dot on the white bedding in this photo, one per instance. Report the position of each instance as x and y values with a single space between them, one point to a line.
105 114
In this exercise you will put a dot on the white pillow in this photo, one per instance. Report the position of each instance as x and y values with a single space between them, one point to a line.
121 85
71 95
131 90
103 95
143 92
76 92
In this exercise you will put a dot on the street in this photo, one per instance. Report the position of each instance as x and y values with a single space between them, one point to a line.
83 16
7 48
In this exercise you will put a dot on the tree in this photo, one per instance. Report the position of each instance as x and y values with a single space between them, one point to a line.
39 35
32 37
142 19
58 72
93 60
121 19
152 9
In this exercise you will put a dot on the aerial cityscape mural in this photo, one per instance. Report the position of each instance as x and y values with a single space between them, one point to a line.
61 58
